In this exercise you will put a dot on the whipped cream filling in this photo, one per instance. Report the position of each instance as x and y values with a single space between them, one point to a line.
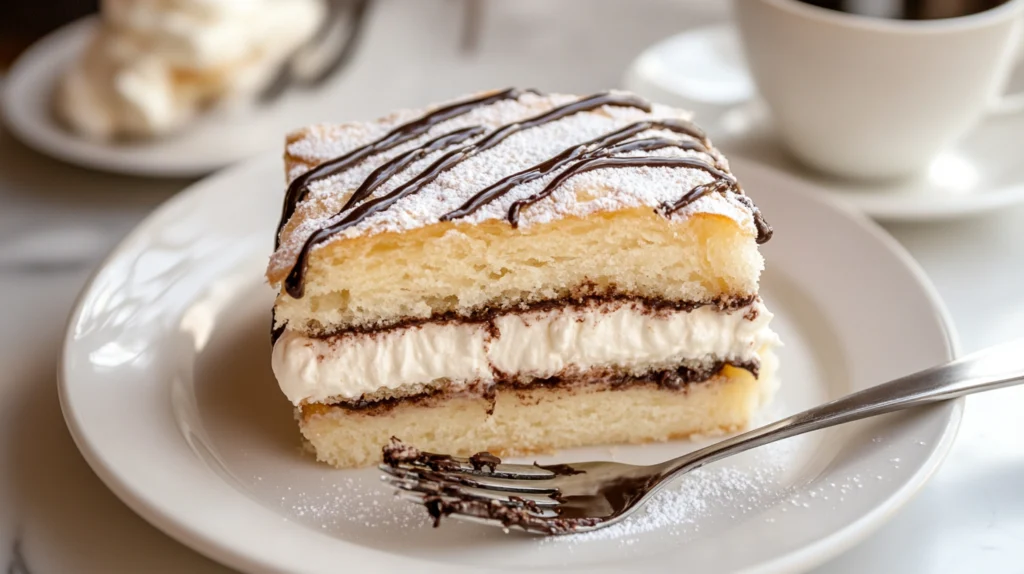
540 344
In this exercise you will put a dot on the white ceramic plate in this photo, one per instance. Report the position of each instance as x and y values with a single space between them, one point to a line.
704 70
167 389
213 141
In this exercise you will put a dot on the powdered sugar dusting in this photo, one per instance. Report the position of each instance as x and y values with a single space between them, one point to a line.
598 190
748 486
683 505
361 503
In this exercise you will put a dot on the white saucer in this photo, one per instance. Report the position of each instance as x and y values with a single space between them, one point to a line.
704 70
213 141
167 389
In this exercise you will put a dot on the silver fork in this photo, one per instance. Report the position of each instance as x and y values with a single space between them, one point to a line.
584 496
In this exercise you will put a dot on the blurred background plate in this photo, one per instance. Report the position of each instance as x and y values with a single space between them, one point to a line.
213 141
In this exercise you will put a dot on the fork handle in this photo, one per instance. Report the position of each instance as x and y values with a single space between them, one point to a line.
992 368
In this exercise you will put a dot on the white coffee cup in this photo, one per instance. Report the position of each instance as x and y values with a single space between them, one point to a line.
874 98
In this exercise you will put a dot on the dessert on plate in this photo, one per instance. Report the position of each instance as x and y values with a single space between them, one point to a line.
517 272
153 65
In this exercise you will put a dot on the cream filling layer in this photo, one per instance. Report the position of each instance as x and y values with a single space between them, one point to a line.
540 344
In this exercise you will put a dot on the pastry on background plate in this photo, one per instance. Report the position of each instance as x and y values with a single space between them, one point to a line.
153 65
517 272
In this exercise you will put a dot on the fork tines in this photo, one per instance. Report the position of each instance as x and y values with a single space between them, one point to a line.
477 489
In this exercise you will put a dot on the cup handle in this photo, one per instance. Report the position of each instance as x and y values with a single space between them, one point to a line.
1005 104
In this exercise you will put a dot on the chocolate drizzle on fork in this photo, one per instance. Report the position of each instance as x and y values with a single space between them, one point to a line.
599 153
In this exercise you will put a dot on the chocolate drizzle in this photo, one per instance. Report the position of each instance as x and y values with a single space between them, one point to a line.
764 231
389 169
442 479
294 283
560 469
599 153
604 161
397 453
482 460
408 131
582 151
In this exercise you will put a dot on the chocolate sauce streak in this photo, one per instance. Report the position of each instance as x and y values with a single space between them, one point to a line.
560 469
524 516
397 453
295 282
584 150
482 460
764 231
603 161
408 131
389 169
695 194
530 505
445 495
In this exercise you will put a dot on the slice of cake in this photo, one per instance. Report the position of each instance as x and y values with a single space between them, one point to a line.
517 272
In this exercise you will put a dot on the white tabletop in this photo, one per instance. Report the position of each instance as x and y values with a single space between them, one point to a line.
57 221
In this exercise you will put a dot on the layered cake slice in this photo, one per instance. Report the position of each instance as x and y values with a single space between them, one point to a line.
517 272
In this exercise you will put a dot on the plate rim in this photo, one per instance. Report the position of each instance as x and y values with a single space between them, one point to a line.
805 558
842 540
883 207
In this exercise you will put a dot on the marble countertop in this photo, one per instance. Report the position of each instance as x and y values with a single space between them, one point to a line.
57 222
